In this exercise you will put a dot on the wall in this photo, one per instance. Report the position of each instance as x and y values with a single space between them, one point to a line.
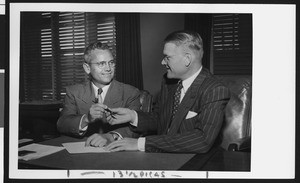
154 28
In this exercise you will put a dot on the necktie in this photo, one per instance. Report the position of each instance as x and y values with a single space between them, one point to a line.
176 99
99 98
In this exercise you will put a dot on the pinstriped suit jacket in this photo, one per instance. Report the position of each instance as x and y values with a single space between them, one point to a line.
79 98
207 97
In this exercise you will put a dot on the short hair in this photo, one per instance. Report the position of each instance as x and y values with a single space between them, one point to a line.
185 37
94 46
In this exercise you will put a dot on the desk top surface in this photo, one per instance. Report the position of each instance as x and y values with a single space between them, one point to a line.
215 160
108 161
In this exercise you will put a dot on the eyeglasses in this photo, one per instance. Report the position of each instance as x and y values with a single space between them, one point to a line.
102 64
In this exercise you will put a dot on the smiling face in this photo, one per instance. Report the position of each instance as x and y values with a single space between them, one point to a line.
100 75
175 61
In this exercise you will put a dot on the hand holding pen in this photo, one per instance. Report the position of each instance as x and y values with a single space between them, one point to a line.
97 109
110 112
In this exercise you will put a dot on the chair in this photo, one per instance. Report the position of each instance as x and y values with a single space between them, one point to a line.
236 132
146 101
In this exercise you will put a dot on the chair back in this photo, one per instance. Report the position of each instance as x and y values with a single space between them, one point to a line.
237 127
146 101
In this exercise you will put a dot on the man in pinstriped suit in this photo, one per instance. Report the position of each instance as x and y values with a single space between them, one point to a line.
200 114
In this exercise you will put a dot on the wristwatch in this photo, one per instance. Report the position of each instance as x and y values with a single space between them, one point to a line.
115 136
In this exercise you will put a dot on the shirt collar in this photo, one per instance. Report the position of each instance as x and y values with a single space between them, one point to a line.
104 90
188 82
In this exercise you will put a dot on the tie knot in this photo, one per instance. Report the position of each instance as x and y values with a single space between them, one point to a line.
100 91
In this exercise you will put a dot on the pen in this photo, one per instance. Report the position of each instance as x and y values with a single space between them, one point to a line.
110 112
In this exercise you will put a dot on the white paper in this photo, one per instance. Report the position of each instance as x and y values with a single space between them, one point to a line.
25 140
40 151
79 147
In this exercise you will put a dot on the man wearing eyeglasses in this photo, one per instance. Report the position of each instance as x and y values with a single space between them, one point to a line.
191 104
84 111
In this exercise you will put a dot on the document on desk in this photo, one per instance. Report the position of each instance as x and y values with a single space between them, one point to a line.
35 151
79 147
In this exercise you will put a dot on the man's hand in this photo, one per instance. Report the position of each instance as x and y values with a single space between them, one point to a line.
99 140
126 144
96 111
121 115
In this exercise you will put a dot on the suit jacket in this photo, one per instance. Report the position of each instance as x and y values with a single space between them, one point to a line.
79 98
206 97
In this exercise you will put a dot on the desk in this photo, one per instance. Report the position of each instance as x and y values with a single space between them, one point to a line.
216 159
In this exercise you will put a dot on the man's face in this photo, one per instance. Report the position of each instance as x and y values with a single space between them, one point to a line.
101 66
174 61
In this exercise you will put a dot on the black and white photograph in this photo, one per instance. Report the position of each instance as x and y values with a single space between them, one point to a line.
150 91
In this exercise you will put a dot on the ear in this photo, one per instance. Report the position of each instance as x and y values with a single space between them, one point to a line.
86 68
188 59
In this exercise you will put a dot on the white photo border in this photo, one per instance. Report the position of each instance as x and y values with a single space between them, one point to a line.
273 80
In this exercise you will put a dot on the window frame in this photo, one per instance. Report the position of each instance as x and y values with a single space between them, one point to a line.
235 57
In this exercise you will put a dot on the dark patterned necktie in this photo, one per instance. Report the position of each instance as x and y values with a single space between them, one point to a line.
176 99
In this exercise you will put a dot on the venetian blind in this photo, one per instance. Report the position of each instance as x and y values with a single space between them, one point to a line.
232 44
52 50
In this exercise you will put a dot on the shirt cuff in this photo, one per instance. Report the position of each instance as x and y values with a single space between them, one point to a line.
82 130
141 143
135 121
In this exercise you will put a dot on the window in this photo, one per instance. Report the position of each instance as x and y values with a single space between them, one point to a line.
52 50
232 44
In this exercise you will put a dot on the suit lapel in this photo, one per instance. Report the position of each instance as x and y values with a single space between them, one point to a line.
169 105
187 102
89 95
114 94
